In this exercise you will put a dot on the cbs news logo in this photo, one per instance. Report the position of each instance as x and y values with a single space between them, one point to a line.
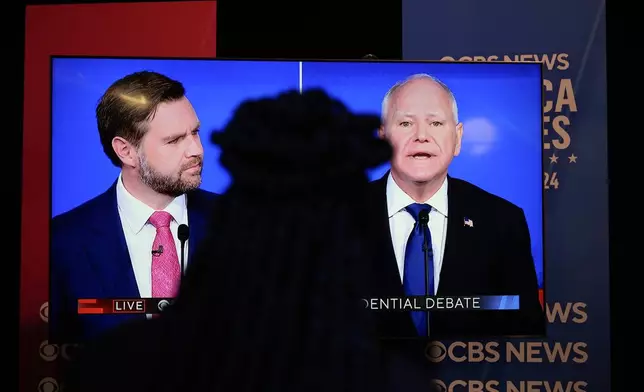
49 384
521 352
508 386
49 352
466 386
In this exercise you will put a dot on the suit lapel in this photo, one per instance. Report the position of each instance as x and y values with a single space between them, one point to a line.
109 255
390 282
111 258
453 262
197 218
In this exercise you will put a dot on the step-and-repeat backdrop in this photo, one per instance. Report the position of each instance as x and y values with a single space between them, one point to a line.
569 38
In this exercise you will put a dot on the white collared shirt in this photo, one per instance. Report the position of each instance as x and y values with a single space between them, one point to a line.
139 234
401 223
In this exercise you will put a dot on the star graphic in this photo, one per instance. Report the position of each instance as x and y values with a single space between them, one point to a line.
553 158
572 158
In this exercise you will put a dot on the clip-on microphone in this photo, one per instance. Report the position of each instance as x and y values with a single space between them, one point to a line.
157 252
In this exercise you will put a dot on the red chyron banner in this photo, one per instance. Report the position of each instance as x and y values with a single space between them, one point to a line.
168 29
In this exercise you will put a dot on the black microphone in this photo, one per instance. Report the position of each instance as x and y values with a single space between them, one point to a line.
423 220
183 233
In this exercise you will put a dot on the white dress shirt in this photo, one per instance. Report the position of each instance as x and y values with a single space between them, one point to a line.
139 233
401 223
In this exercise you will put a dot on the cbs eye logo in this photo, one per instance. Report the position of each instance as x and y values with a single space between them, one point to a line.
438 386
436 352
48 352
48 384
68 351
44 312
163 305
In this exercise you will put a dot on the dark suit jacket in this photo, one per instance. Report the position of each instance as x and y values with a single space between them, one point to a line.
89 259
491 258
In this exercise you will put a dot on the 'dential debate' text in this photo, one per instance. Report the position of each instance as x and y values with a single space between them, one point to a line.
423 303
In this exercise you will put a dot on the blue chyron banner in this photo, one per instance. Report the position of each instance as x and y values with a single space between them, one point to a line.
569 38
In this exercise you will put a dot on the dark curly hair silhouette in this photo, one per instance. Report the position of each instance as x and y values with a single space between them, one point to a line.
271 301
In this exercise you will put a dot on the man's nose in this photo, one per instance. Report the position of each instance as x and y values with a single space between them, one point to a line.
423 133
195 148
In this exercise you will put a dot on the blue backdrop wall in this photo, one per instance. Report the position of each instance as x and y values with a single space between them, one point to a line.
499 105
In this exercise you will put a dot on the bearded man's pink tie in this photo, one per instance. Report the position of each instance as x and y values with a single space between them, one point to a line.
165 262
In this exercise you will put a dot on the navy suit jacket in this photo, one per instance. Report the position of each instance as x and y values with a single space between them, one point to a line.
493 257
89 259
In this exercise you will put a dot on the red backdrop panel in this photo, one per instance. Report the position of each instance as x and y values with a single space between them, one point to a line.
168 29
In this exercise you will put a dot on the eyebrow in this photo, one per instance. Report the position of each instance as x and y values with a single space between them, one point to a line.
428 114
178 135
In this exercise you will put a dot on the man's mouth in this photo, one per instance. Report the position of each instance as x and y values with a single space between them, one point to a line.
197 166
421 155
195 163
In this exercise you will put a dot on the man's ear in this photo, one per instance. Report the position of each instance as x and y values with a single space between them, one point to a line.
459 139
381 132
125 151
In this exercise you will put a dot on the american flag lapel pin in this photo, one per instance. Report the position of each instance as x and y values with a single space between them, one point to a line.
468 222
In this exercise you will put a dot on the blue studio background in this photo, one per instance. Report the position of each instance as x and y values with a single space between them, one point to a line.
499 105
80 169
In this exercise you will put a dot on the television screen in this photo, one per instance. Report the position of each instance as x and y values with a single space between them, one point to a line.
481 120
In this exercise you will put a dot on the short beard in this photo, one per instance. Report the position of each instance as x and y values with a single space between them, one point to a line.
170 185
